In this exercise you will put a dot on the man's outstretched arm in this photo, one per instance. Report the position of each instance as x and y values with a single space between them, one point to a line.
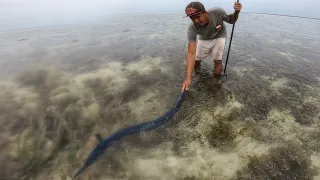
191 58
190 64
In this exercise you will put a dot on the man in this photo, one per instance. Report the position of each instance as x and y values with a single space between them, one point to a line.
212 33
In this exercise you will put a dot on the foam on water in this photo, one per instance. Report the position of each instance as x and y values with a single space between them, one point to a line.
241 70
279 83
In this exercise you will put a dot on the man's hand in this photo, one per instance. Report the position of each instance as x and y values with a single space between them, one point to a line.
237 6
186 84
234 17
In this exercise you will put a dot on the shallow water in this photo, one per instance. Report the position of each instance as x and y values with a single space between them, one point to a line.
59 85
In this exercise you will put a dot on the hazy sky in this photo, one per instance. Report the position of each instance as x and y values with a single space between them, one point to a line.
16 14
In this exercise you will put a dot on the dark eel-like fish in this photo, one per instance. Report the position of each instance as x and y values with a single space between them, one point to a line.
147 126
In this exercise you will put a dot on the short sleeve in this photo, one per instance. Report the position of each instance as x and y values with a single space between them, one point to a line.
224 15
192 34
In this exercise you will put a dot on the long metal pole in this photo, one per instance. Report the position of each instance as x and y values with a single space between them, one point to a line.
237 13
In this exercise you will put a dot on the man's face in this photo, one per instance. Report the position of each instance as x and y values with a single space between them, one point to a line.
200 19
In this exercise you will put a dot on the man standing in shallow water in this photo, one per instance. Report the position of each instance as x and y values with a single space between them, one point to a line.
208 24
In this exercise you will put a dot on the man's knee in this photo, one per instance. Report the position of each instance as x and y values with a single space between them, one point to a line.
217 66
197 63
217 62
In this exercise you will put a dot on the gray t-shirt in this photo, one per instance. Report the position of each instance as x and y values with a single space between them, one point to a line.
216 17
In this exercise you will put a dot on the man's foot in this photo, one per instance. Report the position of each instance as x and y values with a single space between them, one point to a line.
217 70
216 78
217 67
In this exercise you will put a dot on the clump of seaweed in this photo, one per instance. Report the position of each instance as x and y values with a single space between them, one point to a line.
305 114
32 153
312 140
40 79
220 134
33 78
287 162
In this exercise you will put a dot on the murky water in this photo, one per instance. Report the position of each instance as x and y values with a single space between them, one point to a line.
60 85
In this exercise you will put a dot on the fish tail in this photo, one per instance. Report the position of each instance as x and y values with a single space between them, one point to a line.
81 170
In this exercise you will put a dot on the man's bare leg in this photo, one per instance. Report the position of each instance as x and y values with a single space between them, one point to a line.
217 69
197 66
217 57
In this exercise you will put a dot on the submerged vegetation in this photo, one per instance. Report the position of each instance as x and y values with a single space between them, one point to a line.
220 134
50 117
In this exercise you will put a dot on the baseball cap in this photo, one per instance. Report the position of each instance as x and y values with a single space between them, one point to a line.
194 8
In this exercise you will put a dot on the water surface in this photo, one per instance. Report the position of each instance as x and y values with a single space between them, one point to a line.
59 85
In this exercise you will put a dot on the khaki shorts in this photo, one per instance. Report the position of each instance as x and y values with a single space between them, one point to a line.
214 47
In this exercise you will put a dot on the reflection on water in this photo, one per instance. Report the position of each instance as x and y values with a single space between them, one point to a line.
61 85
